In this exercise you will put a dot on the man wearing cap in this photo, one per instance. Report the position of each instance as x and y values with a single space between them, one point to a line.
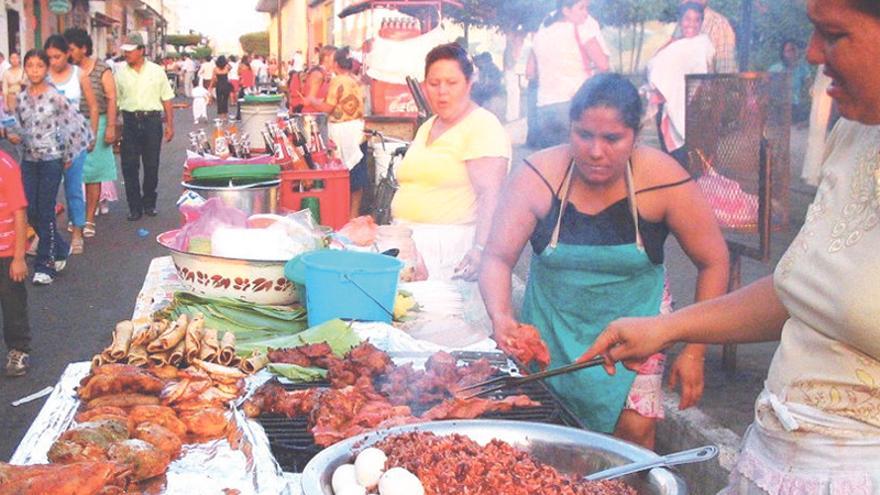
143 93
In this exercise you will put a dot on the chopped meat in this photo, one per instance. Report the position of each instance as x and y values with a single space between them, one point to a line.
456 465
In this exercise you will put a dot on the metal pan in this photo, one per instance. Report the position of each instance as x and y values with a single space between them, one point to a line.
571 451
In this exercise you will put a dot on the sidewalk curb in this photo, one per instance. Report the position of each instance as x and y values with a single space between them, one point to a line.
682 430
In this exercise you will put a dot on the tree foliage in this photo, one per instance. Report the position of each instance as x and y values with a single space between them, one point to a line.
505 15
257 43
182 41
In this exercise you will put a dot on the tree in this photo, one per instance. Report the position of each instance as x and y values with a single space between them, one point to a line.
182 41
630 17
257 43
202 51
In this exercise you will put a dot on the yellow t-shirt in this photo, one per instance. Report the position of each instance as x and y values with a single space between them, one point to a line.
434 183
347 98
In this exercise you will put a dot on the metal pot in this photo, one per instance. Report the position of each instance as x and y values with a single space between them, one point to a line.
571 451
252 199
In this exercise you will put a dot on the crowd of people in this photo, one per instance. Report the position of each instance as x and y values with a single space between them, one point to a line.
595 206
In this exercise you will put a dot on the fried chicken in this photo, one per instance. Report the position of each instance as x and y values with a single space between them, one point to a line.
144 460
80 478
88 441
160 437
118 379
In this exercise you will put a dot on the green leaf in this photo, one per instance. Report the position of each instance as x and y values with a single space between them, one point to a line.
335 333
297 373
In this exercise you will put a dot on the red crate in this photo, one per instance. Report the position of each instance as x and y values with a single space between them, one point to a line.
334 197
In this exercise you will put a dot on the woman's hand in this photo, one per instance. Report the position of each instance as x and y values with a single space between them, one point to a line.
91 146
522 342
468 268
109 135
687 370
631 340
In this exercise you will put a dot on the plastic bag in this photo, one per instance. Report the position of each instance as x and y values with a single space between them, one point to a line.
202 221
361 231
269 244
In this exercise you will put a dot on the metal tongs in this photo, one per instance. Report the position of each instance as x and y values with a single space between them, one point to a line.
502 382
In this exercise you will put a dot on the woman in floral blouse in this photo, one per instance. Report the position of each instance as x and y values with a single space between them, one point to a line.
53 133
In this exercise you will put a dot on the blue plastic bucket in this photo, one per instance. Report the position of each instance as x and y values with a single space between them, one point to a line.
350 285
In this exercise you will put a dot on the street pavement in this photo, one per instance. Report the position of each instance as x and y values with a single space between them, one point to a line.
72 319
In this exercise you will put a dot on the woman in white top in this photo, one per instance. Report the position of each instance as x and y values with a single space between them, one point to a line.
692 53
13 80
74 84
566 51
817 422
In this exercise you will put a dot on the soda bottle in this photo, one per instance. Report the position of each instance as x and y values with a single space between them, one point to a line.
221 146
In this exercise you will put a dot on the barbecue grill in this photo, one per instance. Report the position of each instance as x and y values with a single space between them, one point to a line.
294 446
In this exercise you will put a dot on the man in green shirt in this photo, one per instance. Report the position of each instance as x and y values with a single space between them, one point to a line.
143 93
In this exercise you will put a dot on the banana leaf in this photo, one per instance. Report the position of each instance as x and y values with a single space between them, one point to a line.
297 373
336 333
245 320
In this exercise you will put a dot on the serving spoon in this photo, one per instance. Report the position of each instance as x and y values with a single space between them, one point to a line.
701 454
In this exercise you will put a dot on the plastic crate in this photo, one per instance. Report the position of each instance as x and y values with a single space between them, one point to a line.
334 195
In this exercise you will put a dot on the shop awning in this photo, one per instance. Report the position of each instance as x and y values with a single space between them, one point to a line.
103 20
402 5
270 6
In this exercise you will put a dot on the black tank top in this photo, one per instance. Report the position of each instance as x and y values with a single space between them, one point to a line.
612 226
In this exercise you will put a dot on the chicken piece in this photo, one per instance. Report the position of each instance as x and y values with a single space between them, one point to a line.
306 355
119 379
81 478
86 416
129 423
160 437
123 401
87 441
160 415
525 345
363 360
166 372
185 390
144 460
206 424
272 398
459 408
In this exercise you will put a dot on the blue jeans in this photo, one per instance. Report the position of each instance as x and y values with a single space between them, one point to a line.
41 182
73 191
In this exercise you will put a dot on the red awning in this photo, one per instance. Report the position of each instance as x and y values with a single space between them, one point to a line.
397 5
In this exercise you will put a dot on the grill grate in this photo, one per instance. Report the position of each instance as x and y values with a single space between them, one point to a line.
293 444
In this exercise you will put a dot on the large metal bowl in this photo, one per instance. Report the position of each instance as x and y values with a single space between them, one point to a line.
259 282
252 199
571 451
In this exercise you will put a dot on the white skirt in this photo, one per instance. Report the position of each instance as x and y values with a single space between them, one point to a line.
780 457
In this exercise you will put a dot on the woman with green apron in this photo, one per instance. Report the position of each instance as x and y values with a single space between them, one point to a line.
598 241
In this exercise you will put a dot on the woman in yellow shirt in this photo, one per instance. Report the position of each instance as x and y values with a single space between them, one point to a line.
344 105
453 171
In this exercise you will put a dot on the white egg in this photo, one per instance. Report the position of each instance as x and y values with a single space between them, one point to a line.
344 476
399 481
369 466
351 490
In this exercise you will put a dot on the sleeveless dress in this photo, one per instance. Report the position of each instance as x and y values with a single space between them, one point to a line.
224 88
100 165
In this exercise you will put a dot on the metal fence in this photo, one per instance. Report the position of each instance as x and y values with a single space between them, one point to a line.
737 134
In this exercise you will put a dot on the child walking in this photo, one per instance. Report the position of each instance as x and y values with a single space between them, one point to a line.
53 133
13 269
201 97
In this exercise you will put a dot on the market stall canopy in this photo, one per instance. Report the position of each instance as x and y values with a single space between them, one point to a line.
401 5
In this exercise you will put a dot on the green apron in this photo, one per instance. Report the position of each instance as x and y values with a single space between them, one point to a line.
573 293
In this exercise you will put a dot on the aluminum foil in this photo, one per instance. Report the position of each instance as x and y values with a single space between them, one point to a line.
208 468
